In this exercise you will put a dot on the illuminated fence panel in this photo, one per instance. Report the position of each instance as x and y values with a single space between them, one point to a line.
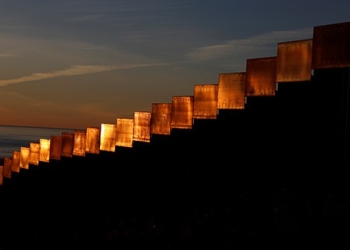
261 77
161 118
92 145
34 153
7 167
124 135
331 46
16 156
294 61
142 126
44 154
1 175
107 140
231 90
79 143
55 147
182 112
205 101
67 144
24 160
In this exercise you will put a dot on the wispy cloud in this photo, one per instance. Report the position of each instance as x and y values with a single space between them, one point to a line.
33 102
246 46
8 54
74 71
87 18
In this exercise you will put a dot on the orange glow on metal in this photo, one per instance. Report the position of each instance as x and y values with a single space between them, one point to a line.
55 147
124 135
7 167
294 61
231 92
261 77
92 145
108 133
182 112
34 153
16 155
24 161
142 126
67 144
44 154
79 143
331 46
161 118
1 175
205 101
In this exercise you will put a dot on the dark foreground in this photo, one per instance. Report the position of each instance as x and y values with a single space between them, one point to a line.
127 204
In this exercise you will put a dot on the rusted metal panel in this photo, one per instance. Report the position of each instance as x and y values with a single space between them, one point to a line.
34 153
261 76
7 167
294 61
231 90
24 161
1 175
67 144
92 145
182 112
331 46
142 126
55 147
161 118
108 134
205 101
79 143
124 135
16 156
44 153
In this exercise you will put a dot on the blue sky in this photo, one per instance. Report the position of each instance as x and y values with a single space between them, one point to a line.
80 63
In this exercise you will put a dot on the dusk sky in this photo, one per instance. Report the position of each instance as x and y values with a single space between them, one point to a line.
80 63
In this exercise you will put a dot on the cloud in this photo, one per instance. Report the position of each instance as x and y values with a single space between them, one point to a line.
74 71
242 47
87 18
8 54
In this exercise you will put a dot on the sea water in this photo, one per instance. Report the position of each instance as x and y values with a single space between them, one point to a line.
14 137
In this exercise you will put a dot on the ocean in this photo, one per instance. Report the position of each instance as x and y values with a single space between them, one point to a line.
14 137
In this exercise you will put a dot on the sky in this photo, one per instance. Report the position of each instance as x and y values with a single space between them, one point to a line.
81 63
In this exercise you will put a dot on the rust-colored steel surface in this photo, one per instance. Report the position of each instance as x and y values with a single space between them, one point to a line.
7 167
161 118
231 90
55 147
107 140
261 76
24 160
142 126
1 175
79 143
182 112
34 153
92 145
67 144
44 153
16 155
294 61
331 46
205 101
124 135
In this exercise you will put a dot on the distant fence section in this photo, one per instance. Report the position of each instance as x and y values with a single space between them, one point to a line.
329 48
